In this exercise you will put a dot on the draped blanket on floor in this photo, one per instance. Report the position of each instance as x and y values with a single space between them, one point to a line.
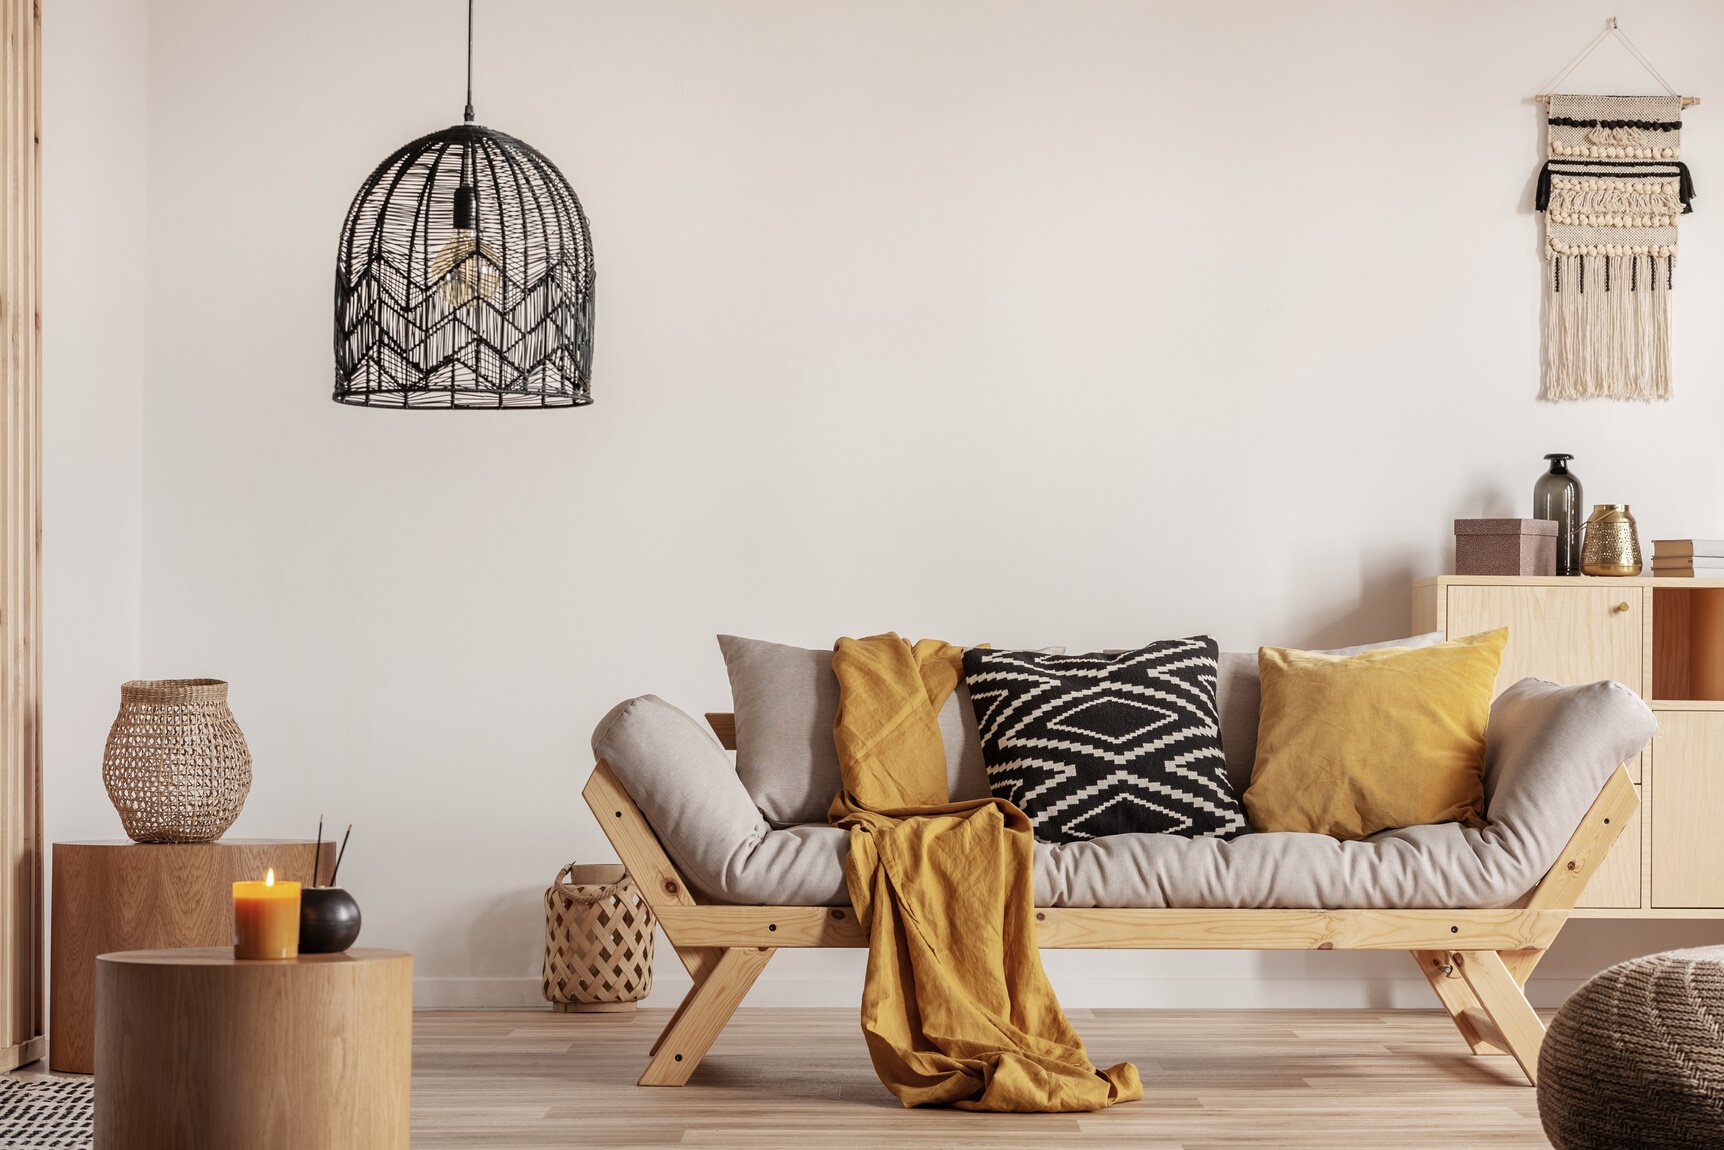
956 1009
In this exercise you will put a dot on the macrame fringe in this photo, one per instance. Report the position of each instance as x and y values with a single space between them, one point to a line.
1607 326
1684 182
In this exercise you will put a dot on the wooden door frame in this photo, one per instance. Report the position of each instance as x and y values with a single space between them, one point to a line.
21 971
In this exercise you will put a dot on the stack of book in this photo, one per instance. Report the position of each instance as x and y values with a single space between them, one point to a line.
1688 558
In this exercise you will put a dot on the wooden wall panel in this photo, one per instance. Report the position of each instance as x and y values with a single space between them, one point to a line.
21 979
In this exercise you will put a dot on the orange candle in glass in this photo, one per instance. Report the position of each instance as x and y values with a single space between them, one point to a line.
266 918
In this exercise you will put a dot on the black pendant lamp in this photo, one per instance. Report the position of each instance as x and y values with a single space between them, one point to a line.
464 277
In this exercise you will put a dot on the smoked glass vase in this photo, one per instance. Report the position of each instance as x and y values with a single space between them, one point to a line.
1556 496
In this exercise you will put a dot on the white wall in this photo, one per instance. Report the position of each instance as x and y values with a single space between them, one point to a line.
1084 323
94 91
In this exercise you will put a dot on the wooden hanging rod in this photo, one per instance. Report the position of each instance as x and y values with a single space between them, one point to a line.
1687 101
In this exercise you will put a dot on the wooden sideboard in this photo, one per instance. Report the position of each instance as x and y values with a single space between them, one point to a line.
1664 638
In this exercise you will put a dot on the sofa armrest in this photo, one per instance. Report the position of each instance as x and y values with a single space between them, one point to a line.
1549 750
686 785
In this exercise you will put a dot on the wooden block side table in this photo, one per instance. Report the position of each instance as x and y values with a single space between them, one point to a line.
198 1050
140 896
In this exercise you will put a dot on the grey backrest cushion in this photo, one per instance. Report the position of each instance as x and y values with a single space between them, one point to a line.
785 700
1548 750
683 782
1239 695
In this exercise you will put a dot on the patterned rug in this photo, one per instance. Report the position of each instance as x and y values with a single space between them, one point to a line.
48 1114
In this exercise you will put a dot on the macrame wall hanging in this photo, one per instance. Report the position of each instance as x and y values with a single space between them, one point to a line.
1612 189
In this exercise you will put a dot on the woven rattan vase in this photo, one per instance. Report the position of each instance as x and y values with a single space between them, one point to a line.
176 765
598 940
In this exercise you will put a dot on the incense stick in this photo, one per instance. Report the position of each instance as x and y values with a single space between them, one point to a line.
340 854
317 851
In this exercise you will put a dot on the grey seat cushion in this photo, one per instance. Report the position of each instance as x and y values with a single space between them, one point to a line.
1549 749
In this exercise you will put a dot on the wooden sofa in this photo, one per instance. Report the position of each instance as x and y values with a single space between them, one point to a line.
1477 961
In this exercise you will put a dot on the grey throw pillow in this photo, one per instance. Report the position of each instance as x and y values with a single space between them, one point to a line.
786 700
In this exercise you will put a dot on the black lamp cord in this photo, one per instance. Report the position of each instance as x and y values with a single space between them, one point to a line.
469 114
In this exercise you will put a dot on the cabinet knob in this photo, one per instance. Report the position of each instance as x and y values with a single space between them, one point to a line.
1621 607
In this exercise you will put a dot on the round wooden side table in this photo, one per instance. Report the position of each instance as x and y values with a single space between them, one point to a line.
196 1049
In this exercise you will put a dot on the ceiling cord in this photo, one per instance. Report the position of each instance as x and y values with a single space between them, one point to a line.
469 113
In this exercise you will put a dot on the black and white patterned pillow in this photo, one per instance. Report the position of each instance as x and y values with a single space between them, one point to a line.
1106 744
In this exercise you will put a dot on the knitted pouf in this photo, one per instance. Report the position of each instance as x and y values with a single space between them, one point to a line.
1636 1057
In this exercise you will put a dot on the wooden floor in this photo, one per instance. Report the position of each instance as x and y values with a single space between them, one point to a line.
1214 1080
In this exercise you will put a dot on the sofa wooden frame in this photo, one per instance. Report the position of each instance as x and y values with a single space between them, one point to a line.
1477 961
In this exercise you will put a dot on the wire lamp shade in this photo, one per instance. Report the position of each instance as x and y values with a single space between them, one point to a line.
464 278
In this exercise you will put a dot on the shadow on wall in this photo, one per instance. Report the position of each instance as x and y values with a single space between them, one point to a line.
1383 610
1483 499
501 940
1587 946
1384 606
1486 499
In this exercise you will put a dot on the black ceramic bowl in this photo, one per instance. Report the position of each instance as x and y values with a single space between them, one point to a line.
328 920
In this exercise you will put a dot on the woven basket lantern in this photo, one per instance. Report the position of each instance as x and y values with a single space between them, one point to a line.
176 764
598 940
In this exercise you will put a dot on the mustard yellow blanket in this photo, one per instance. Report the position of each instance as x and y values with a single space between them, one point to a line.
957 1010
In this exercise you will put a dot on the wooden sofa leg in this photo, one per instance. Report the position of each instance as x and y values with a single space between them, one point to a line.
1521 963
700 961
1516 1025
1445 978
703 1014
675 1017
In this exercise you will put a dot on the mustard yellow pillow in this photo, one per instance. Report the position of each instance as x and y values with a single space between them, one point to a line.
1352 745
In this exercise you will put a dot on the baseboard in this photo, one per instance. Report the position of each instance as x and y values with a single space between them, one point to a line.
479 994
23 1053
1077 994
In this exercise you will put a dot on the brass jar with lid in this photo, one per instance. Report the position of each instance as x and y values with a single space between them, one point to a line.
1612 546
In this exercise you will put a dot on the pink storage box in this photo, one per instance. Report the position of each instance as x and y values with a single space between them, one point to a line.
1505 547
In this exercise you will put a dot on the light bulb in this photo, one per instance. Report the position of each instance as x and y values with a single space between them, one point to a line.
465 269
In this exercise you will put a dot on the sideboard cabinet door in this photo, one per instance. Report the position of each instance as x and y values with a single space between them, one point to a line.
1687 850
1564 634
